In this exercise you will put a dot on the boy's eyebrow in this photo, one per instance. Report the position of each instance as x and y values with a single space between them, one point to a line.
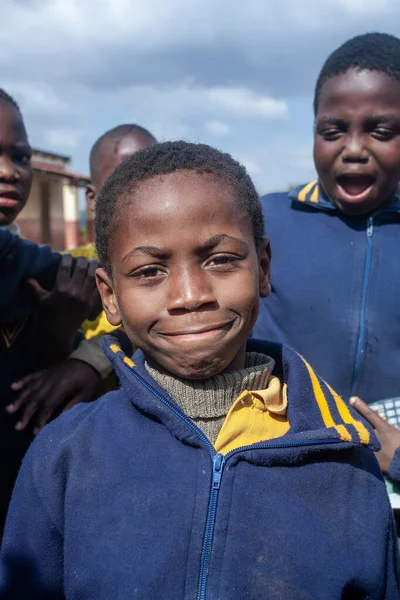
330 121
220 237
163 253
154 251
385 118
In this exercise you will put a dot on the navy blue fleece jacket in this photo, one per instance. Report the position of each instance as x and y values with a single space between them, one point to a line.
126 498
335 290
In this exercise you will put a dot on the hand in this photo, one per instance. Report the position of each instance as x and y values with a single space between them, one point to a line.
75 294
387 434
73 299
46 393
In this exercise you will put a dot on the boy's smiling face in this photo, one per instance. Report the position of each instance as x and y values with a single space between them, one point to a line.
357 140
186 276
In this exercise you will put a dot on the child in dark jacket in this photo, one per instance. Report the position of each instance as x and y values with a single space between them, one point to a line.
23 338
33 334
335 279
219 469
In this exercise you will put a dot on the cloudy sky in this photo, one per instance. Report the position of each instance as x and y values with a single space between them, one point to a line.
237 74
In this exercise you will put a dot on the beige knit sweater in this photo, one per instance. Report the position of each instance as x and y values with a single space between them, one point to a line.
207 401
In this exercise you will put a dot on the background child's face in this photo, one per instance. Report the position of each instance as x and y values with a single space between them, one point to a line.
112 154
357 140
186 276
15 163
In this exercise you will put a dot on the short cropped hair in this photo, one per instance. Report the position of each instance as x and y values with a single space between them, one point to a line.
7 98
369 52
163 159
115 135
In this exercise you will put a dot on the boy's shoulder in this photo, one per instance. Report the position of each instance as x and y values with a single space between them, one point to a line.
276 200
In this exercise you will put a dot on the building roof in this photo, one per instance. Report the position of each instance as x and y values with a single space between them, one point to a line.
63 157
60 172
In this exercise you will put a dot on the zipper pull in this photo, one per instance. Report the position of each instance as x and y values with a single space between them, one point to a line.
370 226
218 465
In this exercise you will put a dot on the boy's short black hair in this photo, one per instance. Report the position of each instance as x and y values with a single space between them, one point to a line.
115 135
7 98
369 52
163 159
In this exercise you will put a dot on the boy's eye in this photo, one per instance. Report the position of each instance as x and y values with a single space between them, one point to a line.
148 273
331 134
22 158
383 134
223 261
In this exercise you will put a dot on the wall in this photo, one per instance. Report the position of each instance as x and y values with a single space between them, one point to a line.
42 219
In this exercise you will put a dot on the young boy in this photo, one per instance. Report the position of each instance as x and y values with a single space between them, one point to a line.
77 379
335 280
216 471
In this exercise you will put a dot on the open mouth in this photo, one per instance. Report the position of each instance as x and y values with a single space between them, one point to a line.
355 185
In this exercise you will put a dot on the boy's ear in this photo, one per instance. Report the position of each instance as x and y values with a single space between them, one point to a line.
265 269
106 291
90 194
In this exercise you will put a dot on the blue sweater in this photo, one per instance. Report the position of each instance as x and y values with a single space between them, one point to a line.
126 498
335 291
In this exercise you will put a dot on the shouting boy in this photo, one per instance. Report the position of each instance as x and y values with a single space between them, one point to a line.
335 278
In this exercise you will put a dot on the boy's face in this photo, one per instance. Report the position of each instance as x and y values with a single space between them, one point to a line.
15 164
357 140
112 154
186 276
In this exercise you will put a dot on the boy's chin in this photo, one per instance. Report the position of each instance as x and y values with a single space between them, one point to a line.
193 369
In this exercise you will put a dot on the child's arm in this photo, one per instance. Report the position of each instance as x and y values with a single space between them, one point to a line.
19 261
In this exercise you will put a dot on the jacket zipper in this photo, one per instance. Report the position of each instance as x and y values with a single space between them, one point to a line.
218 461
360 349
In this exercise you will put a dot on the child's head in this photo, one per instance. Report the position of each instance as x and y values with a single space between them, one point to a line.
15 160
111 149
180 235
357 128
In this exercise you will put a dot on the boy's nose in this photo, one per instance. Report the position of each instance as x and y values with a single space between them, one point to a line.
8 171
355 151
189 292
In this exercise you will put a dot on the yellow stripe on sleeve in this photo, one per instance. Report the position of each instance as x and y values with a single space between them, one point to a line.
303 193
323 406
344 412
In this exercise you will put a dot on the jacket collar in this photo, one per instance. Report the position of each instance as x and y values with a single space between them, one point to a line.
315 411
314 195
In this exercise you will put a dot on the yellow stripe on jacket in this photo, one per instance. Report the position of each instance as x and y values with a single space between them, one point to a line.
302 196
100 326
254 417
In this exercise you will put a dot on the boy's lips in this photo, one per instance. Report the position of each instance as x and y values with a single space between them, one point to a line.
9 198
199 331
355 186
